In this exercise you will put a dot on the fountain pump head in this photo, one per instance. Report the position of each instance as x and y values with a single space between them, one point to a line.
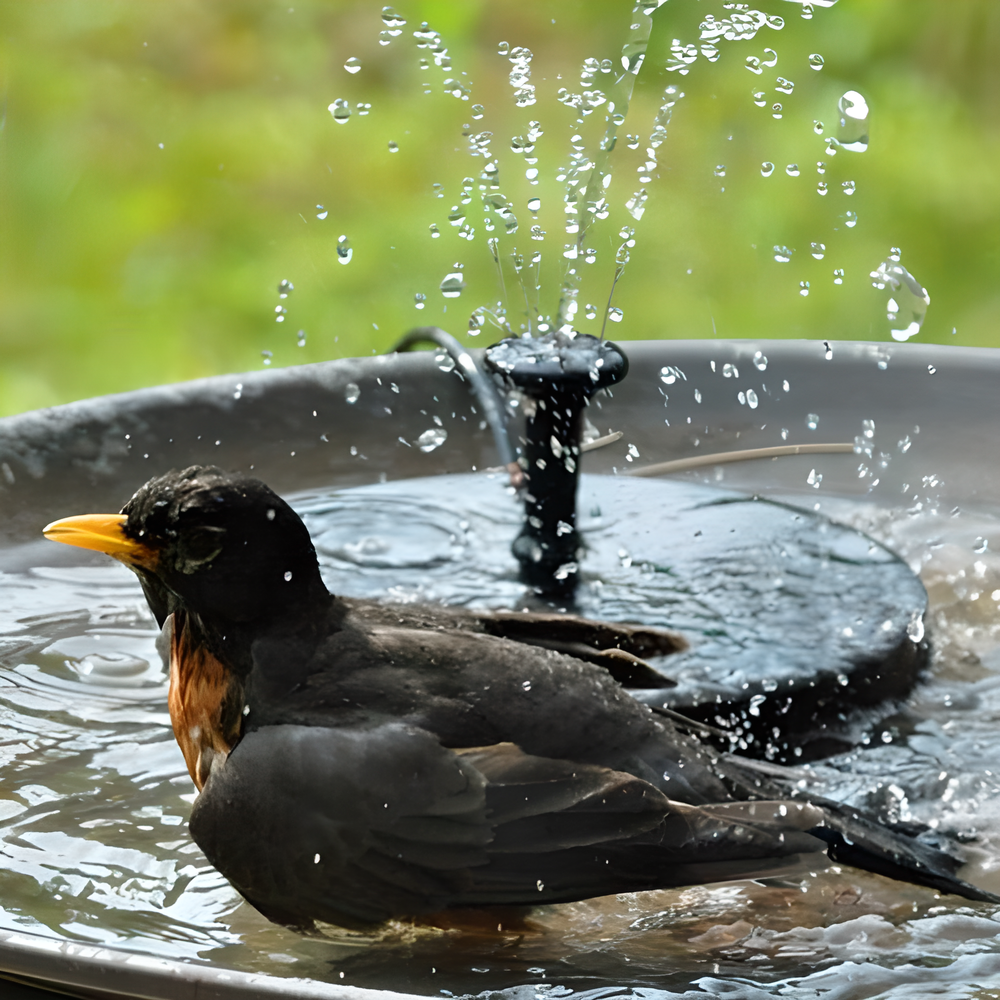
558 372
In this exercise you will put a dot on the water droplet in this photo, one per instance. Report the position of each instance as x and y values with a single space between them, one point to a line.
393 147
820 167
783 254
807 11
352 392
363 108
931 369
697 395
814 479
284 287
419 300
344 250
534 204
720 170
452 285
392 19
503 48
353 64
815 61
590 311
615 314
915 627
784 86
432 438
852 133
766 169
477 111
818 250
759 98
435 232
818 127
760 362
850 219
803 288
341 110
322 213
848 186
812 421
730 371
776 108
267 355
753 64
792 170
838 276
751 399
821 188
281 312
908 299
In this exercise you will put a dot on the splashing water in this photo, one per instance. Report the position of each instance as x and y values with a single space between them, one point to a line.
908 299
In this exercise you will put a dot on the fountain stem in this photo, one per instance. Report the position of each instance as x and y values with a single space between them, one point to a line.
558 373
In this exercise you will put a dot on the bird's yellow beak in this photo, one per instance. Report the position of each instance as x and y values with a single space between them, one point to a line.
103 533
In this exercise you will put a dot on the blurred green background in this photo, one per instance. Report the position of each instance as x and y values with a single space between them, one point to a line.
162 164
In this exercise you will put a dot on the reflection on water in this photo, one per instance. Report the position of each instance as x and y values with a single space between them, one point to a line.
95 797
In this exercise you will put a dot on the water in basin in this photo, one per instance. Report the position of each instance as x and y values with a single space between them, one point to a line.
96 796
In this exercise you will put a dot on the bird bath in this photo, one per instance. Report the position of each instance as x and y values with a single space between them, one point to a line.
103 890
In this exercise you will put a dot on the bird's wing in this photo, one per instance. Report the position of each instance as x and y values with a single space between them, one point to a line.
356 826
620 648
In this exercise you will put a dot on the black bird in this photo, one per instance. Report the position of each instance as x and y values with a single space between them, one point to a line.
360 761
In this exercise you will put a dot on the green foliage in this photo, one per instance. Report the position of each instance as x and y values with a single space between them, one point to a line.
161 164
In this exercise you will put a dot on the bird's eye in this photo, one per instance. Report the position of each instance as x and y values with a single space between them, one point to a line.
198 546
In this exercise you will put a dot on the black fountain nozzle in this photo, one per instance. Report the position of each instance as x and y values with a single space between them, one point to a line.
558 372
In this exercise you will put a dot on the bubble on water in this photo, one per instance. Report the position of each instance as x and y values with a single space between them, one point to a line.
393 146
849 187
818 250
838 275
341 110
322 213
908 299
783 254
344 250
812 421
284 287
759 98
353 64
815 61
452 284
850 219
792 170
419 300
615 314
852 132
766 169
822 188
434 231
803 288
784 86
759 361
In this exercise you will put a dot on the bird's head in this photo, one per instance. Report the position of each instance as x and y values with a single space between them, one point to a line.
221 545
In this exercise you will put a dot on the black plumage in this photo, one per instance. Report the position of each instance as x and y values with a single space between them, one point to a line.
361 761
